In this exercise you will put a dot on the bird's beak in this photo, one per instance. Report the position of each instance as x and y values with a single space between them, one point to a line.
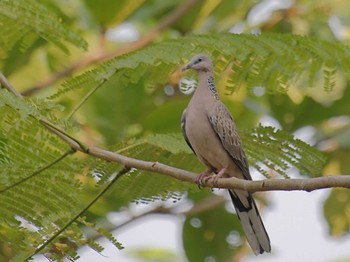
186 67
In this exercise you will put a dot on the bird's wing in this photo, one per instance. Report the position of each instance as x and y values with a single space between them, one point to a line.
183 127
223 125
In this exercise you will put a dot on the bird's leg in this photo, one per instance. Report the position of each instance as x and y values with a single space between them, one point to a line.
203 175
214 179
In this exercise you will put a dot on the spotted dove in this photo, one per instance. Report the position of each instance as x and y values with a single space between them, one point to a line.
209 130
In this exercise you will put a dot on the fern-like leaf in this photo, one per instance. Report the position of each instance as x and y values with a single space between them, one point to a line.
24 21
34 208
101 232
270 60
142 186
271 149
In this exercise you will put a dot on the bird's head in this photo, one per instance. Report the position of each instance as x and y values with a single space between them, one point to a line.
199 63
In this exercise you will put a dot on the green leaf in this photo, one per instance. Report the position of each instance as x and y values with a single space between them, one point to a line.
25 21
141 186
39 190
23 107
271 149
274 61
102 232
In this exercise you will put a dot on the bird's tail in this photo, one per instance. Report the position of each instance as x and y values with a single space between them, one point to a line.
252 224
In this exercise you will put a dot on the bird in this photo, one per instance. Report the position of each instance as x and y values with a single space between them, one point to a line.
211 133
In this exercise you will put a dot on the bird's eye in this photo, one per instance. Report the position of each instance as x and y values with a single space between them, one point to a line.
200 60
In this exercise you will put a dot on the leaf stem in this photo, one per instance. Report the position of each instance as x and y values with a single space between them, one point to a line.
85 98
74 143
70 151
93 201
6 84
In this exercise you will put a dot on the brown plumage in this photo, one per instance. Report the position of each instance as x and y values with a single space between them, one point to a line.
211 133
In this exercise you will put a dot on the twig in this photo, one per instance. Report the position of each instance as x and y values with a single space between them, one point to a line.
206 204
6 84
99 56
37 172
84 99
75 218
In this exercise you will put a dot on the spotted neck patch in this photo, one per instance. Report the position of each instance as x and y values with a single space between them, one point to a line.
212 87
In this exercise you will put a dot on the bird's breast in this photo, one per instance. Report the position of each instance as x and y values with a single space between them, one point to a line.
204 141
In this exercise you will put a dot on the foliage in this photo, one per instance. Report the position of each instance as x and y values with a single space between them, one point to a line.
50 194
42 204
248 60
272 149
26 21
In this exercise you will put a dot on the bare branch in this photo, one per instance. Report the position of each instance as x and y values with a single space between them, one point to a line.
308 184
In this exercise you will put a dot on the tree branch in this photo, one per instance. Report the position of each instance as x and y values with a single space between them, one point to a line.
99 56
308 184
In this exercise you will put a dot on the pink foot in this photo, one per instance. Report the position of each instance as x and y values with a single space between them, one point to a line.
204 175
214 179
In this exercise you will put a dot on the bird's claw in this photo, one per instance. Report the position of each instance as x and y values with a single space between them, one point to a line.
203 177
212 179
206 177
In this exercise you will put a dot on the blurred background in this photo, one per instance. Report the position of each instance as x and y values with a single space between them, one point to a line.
200 225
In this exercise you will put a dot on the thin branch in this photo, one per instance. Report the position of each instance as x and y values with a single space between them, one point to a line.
99 56
40 170
204 205
85 98
156 210
93 201
5 83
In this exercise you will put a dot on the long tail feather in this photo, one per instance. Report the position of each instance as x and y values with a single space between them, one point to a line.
252 224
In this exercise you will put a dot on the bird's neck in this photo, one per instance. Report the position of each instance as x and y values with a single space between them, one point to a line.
206 79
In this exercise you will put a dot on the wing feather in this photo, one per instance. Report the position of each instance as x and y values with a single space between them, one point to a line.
183 127
222 122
